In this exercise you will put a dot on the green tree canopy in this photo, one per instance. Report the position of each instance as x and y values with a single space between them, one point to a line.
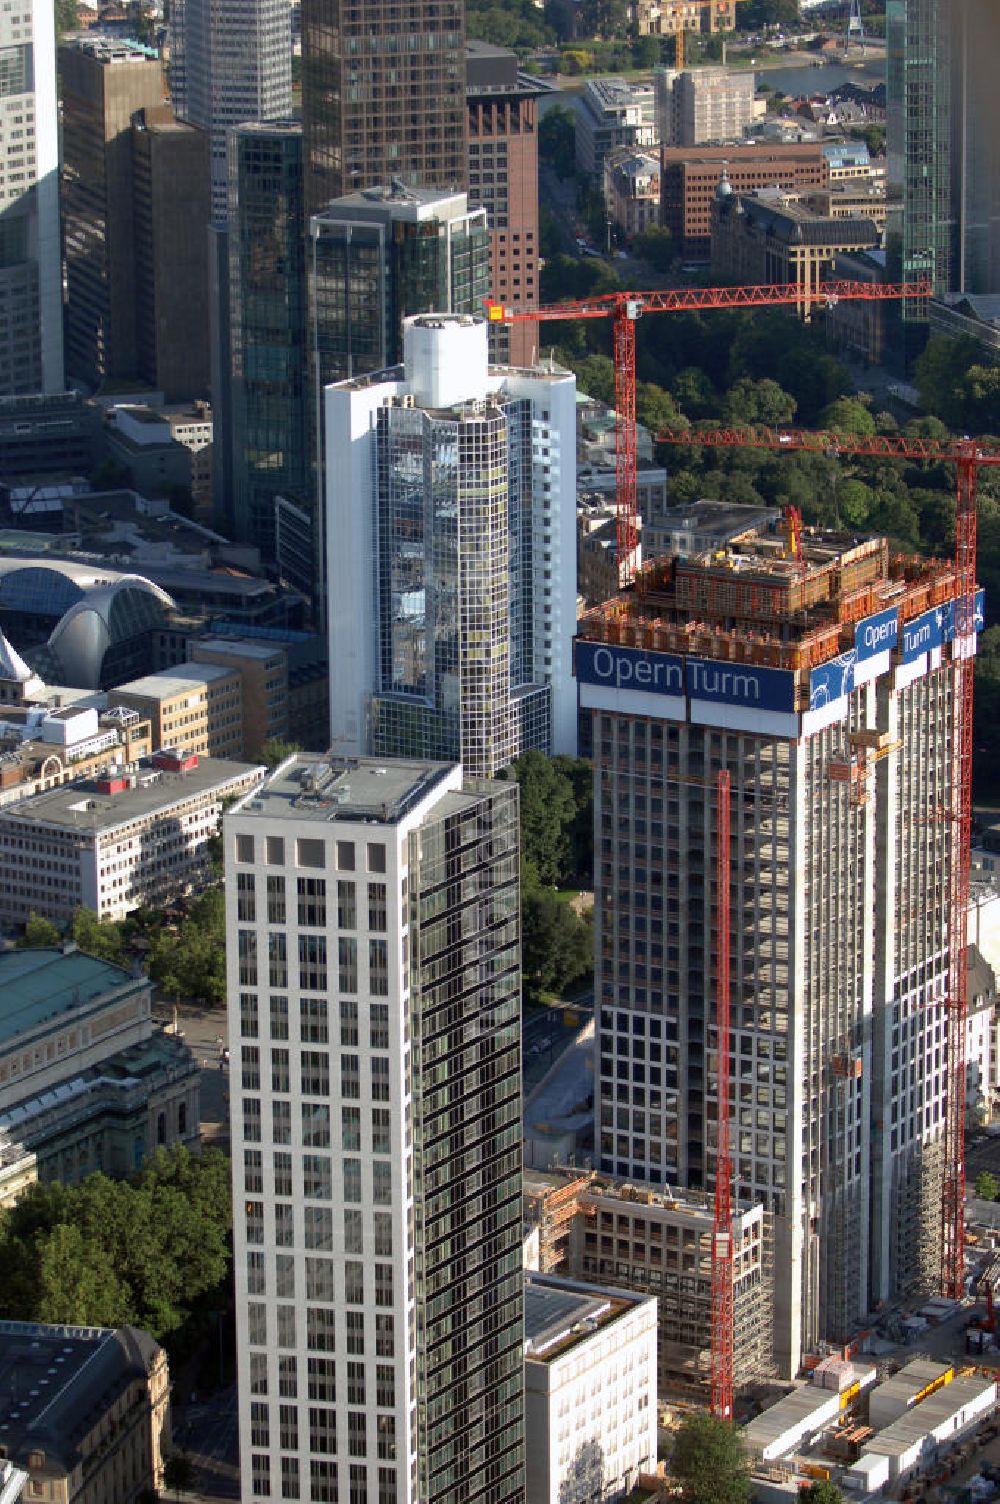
987 1186
39 932
820 1492
192 962
557 946
708 1462
275 750
847 415
656 245
100 938
557 140
749 401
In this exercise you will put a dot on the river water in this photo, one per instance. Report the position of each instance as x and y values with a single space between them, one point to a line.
796 81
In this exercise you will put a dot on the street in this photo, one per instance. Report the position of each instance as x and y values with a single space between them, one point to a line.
209 1434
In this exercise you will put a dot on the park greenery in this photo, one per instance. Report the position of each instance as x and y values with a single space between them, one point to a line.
183 950
557 944
151 1251
708 1464
987 1186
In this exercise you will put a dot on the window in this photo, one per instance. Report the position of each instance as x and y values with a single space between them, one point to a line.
385 1386
347 959
318 1227
352 1180
251 1119
316 1125
258 1371
256 1279
312 901
383 1234
386 1475
322 1376
280 1078
381 1128
356 1384
347 909
345 856
382 1182
310 853
286 1326
260 1475
277 959
246 945
254 1213
313 1025
385 1337
350 1077
284 1276
248 1015
319 1279
246 903
322 1481
354 1322
378 1036
380 1079
279 1017
250 1056
244 848
312 963
282 1173
281 1122
275 849
290 1486
260 1430
354 1282
288 1381
257 1323
378 967
315 1073
284 1224
377 906
354 1232
357 1442
350 1127
316 1177
376 856
253 1173
383 1284
322 1430
275 899
320 1329
349 1022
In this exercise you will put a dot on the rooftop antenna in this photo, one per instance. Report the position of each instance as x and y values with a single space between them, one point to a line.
855 27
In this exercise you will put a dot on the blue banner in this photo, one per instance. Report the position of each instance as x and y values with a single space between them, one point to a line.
876 634
924 633
629 668
741 684
831 681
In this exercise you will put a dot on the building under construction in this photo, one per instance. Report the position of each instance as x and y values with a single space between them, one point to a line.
596 1229
818 670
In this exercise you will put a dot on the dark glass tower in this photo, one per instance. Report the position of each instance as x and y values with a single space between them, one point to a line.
267 301
383 95
381 256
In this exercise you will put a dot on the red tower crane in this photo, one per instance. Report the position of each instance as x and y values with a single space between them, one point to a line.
967 456
626 308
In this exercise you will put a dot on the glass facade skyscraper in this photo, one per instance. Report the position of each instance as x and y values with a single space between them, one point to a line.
267 300
381 256
450 516
383 95
374 996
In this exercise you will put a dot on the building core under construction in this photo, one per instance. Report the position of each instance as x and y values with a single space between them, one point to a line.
818 670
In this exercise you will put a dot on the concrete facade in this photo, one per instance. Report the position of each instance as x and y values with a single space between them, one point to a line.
195 707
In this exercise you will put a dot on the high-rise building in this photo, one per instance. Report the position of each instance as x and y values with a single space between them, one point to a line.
103 84
452 545
943 153
380 256
837 735
235 66
135 210
383 96
31 352
265 352
503 179
372 945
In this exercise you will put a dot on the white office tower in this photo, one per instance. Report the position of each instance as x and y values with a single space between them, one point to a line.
31 342
451 507
374 1007
231 64
823 683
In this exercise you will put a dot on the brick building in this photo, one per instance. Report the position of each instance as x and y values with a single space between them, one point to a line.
690 177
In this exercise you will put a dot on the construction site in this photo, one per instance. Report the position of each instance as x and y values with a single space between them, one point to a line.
594 1228
805 919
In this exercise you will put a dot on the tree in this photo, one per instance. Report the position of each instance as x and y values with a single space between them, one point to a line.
820 1492
100 938
192 962
987 1186
557 945
275 750
758 13
67 17
848 415
557 140
39 932
547 812
77 1285
708 1462
758 402
938 375
656 245
178 1473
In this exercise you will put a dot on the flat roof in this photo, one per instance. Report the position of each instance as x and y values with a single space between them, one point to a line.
173 681
344 788
790 1411
79 806
239 647
923 1418
38 985
559 1313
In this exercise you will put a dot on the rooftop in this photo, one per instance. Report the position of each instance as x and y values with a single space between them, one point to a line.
56 1381
173 681
38 985
920 1420
344 788
559 1313
80 807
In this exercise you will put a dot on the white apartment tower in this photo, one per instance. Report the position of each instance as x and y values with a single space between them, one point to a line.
31 347
450 520
231 64
824 685
374 1007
